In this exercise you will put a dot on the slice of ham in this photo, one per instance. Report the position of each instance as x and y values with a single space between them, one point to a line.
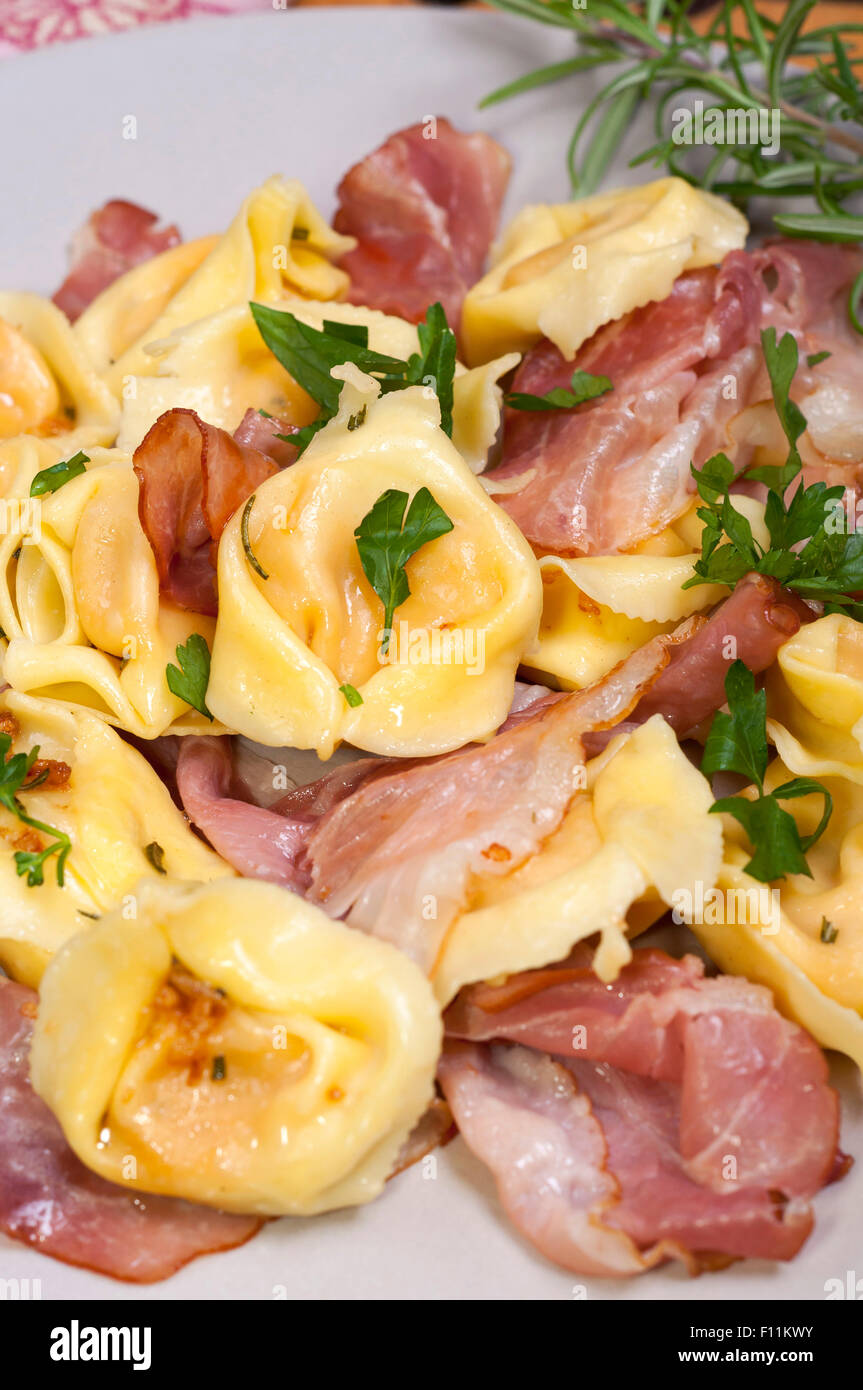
264 433
115 238
193 477
681 1116
751 624
617 470
405 839
810 284
259 841
50 1201
424 208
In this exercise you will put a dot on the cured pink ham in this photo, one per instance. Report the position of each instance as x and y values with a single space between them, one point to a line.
405 839
259 841
424 209
677 1117
115 238
751 624
810 299
265 433
50 1201
193 477
617 469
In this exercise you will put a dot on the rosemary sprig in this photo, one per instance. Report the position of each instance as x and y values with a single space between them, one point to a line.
655 52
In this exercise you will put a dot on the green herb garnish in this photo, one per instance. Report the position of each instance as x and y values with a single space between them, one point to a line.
386 540
815 357
310 354
351 694
828 933
737 742
53 478
189 681
583 387
220 1069
14 774
156 856
247 545
829 566
299 234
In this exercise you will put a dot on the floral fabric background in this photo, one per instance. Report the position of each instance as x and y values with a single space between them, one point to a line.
26 24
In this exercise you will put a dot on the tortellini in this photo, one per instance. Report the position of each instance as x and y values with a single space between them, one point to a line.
563 271
80 603
802 937
598 609
637 833
232 1045
220 365
287 643
278 244
815 704
113 807
48 384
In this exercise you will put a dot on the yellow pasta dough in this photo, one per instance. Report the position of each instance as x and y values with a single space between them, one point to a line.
563 271
285 644
276 1068
112 807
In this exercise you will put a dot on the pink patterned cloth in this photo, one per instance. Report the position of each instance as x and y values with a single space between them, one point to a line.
26 24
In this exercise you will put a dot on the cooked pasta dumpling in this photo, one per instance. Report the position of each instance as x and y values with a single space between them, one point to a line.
118 816
301 654
638 832
278 244
801 937
562 271
80 602
49 385
232 1045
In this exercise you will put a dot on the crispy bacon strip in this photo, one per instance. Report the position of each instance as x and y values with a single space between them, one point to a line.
50 1201
115 238
424 209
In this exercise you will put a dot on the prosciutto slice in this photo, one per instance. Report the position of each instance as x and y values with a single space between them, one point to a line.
751 624
265 433
115 238
664 1116
617 469
424 208
407 840
193 477
50 1201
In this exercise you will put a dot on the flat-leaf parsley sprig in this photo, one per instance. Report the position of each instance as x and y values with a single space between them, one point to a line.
190 679
808 552
14 778
582 387
310 354
737 742
386 539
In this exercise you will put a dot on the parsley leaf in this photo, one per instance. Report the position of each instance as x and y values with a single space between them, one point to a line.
737 742
351 694
582 387
310 354
50 479
189 681
386 539
810 550
14 775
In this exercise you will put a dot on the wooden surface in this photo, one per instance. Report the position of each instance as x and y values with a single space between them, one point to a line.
828 13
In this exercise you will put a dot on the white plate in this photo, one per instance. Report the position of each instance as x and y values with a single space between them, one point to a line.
219 105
